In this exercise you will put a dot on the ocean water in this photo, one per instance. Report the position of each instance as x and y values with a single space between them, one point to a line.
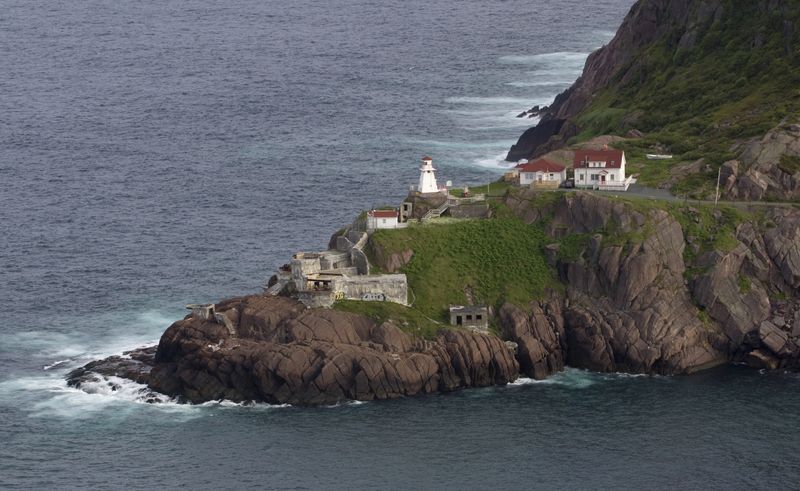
154 154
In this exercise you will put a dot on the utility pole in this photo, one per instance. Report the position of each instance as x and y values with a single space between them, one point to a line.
716 195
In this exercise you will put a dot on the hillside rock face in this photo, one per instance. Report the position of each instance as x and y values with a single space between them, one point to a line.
279 352
629 308
763 169
539 334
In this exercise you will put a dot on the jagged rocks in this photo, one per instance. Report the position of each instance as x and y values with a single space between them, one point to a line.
628 305
280 352
766 167
539 335
719 291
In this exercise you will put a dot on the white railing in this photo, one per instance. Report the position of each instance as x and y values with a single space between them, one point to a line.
606 186
436 212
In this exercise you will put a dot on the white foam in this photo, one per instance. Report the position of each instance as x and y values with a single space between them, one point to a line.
55 364
226 404
497 161
345 404
574 378
561 57
51 397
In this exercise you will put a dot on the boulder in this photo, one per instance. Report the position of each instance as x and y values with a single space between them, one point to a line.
762 360
776 340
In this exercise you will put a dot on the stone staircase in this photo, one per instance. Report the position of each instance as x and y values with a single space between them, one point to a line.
436 212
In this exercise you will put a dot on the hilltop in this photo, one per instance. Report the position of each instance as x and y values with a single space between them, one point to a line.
709 81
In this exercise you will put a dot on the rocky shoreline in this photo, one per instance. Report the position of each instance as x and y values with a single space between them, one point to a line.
638 306
282 353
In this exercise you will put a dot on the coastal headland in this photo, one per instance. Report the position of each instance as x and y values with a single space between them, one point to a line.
603 281
581 279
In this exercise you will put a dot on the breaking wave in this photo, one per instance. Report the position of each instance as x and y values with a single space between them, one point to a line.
575 378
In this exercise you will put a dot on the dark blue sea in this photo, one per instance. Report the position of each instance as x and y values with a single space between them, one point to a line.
157 153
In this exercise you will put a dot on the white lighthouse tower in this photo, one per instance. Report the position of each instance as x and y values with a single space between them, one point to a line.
427 178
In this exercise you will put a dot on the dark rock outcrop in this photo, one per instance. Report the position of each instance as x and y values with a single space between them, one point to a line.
766 168
539 334
535 139
632 306
627 306
279 352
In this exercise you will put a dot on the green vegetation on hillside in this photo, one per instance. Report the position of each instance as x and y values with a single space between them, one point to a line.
487 261
739 80
407 319
704 225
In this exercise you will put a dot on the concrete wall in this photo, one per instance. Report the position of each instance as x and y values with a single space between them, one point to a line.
315 300
374 223
472 210
334 260
388 287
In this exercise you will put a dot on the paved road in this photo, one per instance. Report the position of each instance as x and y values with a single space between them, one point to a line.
639 191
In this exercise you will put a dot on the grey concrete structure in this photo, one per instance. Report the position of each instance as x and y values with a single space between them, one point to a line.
383 288
473 316
320 278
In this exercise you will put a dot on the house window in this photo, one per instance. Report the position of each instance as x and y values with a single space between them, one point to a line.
581 177
469 317
478 317
552 177
383 220
594 177
611 177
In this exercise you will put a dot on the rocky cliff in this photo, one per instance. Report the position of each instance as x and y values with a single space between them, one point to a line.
711 79
642 296
279 352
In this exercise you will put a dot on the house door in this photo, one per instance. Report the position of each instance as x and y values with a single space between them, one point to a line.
602 179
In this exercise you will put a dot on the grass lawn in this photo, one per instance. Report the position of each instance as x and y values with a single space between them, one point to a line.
487 261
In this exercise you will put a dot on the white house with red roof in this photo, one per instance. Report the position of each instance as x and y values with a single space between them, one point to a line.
541 172
601 169
377 219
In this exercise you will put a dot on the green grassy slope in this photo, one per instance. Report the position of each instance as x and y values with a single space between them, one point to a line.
740 79
492 261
